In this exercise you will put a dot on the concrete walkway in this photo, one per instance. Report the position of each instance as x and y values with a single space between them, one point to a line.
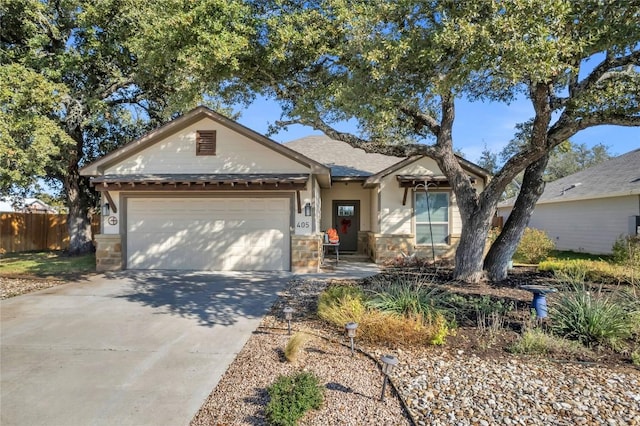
346 269
127 348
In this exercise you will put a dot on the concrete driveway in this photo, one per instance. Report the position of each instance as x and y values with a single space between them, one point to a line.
128 348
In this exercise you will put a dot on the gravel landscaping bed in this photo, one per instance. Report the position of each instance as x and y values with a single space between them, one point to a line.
10 287
439 385
463 389
352 383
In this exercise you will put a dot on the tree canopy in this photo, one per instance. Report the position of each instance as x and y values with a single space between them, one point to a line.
79 78
399 67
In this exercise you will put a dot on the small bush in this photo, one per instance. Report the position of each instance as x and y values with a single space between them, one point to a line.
574 274
593 270
626 250
295 345
405 295
341 304
591 317
472 309
339 307
387 329
537 342
291 397
635 357
535 245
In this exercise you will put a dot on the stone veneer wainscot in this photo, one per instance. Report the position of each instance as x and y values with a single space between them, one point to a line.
108 252
306 253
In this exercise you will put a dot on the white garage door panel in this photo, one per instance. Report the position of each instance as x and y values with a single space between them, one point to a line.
208 234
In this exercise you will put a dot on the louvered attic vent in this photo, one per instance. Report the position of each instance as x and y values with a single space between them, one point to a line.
206 142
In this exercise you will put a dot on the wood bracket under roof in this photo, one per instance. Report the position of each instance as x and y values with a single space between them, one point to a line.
112 205
413 181
217 182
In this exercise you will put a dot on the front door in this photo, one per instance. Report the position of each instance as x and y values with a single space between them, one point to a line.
346 219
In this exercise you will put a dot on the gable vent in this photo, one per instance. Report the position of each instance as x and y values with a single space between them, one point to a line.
206 142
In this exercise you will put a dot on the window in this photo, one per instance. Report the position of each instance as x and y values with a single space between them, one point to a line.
206 142
438 212
346 210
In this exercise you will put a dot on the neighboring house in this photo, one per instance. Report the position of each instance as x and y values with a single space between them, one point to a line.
588 210
27 205
203 192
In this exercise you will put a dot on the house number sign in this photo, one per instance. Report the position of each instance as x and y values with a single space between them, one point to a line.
112 220
303 224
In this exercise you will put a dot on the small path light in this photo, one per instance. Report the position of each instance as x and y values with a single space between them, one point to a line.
388 363
351 328
288 315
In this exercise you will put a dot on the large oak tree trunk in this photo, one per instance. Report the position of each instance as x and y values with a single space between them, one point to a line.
78 201
502 250
470 250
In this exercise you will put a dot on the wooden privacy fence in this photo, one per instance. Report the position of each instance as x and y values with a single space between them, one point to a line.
497 222
36 231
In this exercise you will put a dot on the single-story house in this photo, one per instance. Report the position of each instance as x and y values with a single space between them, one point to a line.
588 210
26 205
203 192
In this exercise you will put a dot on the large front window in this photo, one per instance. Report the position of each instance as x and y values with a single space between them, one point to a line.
434 210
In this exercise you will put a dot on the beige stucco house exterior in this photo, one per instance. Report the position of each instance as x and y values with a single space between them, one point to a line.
588 210
206 193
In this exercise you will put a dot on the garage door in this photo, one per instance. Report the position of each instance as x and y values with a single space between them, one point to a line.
218 234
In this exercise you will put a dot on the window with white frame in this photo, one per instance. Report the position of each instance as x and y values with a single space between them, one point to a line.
435 209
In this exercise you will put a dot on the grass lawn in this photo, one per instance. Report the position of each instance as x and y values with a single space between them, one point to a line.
45 264
573 255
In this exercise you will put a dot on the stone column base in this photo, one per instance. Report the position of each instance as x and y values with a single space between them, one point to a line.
305 253
108 252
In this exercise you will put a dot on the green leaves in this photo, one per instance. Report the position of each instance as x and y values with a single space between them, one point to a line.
30 137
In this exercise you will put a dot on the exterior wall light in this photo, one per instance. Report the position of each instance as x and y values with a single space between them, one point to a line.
307 209
106 209
288 315
351 328
388 364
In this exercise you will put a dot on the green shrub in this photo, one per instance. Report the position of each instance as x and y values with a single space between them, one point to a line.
535 245
591 317
575 274
340 306
475 309
290 397
537 342
593 270
405 295
626 250
635 357
334 293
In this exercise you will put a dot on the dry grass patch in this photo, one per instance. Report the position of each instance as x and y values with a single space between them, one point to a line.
295 345
340 305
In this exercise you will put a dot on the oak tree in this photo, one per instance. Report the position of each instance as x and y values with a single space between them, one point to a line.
79 78
397 68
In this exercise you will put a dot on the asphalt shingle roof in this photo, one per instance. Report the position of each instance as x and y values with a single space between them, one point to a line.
615 177
344 160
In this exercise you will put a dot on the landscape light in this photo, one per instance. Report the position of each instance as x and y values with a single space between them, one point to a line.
388 363
288 315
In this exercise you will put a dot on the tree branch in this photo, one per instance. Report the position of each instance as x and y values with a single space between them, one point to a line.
421 119
601 71
566 127
115 86
379 147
